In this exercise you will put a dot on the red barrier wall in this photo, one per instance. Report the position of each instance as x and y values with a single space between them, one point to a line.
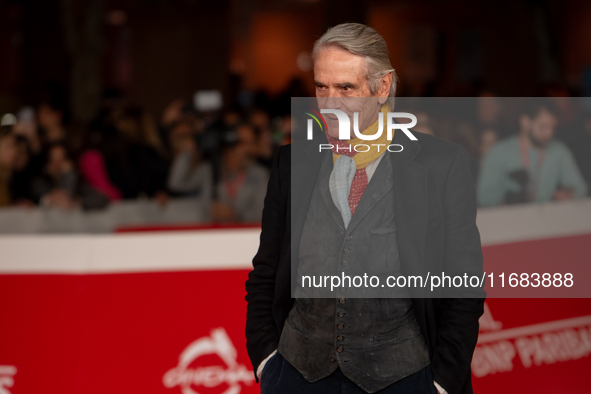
178 331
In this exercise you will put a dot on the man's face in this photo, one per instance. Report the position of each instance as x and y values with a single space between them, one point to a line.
340 77
542 128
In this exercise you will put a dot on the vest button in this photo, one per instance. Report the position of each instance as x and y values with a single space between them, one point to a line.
340 349
341 314
340 337
333 359
340 326
348 237
345 263
346 250
342 300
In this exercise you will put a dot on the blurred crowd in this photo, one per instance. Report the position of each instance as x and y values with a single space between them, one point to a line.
221 157
532 152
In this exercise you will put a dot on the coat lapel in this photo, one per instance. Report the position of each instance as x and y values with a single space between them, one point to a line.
374 191
324 181
410 206
305 165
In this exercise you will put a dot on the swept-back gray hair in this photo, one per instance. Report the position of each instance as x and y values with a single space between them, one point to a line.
362 40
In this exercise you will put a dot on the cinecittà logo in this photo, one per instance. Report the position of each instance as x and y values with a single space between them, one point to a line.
190 374
7 373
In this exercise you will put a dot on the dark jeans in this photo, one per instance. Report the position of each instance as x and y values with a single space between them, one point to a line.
280 377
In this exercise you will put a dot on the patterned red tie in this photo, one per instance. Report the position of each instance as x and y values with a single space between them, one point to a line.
359 180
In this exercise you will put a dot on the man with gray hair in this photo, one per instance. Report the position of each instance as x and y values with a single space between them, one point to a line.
409 211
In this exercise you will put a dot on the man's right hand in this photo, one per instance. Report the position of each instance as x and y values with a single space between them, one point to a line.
263 363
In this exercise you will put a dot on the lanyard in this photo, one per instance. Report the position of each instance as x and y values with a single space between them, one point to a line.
233 186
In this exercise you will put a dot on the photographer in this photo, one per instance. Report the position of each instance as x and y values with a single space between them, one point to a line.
531 166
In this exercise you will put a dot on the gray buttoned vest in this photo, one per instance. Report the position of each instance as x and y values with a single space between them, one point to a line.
374 341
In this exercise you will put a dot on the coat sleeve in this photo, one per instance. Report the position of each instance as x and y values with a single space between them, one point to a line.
457 331
262 336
